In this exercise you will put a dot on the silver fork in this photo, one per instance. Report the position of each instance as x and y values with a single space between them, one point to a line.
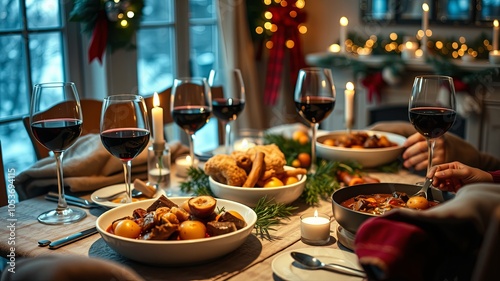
135 193
423 191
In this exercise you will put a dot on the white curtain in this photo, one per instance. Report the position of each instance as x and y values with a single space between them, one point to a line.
238 52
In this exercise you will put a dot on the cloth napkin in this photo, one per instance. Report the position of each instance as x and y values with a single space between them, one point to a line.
441 243
87 166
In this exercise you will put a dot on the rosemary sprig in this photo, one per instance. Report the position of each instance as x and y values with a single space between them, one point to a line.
269 215
198 183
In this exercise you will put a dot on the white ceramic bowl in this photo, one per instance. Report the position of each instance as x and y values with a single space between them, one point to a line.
250 196
175 252
369 157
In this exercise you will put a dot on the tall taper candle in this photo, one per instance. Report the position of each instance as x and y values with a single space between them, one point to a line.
425 26
343 33
349 105
495 34
157 116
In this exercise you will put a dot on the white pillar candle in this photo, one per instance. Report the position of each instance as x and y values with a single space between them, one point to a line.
343 33
349 104
157 115
495 34
425 26
315 229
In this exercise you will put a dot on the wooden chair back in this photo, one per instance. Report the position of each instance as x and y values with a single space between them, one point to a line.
91 111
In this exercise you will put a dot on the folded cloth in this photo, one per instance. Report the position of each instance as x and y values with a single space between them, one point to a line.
87 166
75 268
441 243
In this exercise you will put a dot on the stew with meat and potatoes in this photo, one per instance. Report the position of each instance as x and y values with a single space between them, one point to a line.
379 203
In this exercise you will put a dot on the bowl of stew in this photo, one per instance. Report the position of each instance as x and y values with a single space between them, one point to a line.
368 148
385 197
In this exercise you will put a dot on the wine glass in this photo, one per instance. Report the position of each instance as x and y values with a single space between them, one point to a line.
227 108
56 122
191 106
432 108
125 131
314 100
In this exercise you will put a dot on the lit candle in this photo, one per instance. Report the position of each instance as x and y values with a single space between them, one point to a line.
315 229
495 57
157 115
349 104
243 144
495 34
343 33
183 164
425 24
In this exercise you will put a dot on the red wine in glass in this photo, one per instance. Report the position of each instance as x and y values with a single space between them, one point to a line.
191 119
125 144
227 109
432 122
314 109
57 134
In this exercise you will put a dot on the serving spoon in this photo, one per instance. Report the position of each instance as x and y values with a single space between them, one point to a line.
310 262
423 191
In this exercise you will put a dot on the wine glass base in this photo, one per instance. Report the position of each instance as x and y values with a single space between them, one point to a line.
65 216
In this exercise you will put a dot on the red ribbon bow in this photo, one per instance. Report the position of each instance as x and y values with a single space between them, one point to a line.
374 83
99 38
287 29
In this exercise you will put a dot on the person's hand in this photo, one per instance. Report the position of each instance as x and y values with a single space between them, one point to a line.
452 176
416 155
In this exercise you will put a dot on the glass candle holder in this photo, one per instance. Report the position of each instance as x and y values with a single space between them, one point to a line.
315 228
159 166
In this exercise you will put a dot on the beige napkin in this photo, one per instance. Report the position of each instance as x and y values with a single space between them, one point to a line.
87 166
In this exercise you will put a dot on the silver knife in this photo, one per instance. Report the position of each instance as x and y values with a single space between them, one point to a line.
72 200
72 238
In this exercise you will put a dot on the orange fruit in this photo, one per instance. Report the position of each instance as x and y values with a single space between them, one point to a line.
290 180
329 142
273 182
296 163
297 134
305 159
303 140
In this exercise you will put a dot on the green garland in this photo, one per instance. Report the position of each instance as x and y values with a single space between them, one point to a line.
88 11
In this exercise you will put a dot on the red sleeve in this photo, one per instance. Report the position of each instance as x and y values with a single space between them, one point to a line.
496 176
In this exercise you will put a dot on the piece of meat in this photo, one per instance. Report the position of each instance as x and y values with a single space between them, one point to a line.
223 168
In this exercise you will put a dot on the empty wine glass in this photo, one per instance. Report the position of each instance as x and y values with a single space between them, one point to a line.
432 108
125 131
191 106
314 100
56 122
227 108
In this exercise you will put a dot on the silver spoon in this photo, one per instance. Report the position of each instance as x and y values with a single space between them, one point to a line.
311 262
423 191
135 193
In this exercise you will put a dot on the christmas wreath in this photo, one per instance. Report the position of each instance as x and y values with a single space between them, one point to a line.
111 23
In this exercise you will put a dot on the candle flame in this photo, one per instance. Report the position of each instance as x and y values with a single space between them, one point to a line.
344 21
349 86
315 213
495 23
425 7
156 100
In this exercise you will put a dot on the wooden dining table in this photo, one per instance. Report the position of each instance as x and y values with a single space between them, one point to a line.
251 261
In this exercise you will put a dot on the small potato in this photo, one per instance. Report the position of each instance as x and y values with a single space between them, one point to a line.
192 230
417 202
127 228
329 142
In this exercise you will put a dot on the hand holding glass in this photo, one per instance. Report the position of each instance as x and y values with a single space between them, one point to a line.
125 131
56 122
314 100
431 108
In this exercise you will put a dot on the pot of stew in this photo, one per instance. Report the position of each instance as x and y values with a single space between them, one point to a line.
352 205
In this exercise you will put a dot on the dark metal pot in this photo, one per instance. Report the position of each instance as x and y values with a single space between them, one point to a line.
350 220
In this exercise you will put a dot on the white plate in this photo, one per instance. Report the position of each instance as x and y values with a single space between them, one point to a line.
286 268
112 189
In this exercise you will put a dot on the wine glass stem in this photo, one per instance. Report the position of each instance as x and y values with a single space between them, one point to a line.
127 171
430 148
313 167
191 148
61 203
227 140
